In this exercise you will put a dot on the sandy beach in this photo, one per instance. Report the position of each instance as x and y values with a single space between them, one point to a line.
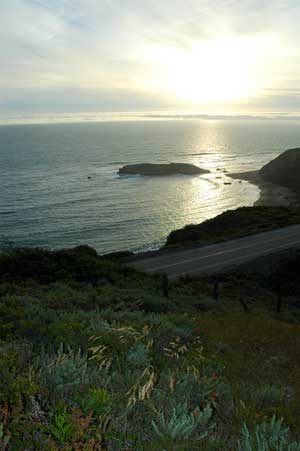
270 194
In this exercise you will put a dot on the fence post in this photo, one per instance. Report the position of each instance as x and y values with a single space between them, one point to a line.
243 303
279 303
165 286
216 293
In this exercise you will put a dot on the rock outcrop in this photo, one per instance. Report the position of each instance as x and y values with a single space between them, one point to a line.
284 170
162 169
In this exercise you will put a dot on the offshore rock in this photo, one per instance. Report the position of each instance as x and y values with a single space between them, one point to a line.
162 169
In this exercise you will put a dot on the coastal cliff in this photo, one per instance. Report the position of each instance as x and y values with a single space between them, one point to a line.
284 170
278 181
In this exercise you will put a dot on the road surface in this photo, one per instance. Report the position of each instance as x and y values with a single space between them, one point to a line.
216 257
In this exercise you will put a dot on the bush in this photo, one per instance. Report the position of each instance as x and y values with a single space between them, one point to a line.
64 372
183 424
267 436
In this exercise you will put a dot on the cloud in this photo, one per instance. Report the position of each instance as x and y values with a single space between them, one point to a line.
92 54
73 100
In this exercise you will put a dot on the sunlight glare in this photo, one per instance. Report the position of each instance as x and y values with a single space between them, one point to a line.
220 70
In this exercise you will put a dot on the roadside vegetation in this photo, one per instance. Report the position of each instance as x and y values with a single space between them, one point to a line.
233 224
96 356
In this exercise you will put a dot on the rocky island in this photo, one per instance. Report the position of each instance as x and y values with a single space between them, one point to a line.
162 169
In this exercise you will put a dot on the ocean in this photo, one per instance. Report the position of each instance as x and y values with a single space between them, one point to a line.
60 187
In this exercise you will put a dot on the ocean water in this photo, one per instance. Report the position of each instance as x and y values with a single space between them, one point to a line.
60 187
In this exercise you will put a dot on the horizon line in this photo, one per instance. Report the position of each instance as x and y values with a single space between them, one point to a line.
90 117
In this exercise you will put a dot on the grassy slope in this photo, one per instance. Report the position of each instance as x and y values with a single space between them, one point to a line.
234 224
153 365
258 350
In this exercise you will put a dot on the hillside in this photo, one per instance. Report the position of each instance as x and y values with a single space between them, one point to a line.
234 224
284 170
96 356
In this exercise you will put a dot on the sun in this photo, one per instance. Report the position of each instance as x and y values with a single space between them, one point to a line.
227 69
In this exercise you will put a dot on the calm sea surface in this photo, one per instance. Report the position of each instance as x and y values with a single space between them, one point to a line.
59 182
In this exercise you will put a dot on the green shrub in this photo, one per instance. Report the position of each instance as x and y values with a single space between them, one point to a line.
18 378
138 356
267 436
62 427
65 372
268 396
4 439
183 424
95 402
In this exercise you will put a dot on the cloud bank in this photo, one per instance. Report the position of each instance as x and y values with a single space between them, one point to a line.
129 55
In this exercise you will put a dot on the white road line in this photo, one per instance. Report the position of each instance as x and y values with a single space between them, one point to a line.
224 252
234 260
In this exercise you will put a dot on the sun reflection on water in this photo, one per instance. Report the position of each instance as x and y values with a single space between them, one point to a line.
208 195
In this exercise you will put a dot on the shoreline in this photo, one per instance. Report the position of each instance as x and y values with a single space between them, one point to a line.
270 195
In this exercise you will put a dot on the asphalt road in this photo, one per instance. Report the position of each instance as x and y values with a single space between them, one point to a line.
216 257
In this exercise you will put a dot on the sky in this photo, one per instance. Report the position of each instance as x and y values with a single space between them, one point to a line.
202 56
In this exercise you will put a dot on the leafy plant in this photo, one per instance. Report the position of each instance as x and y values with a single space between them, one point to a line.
96 402
138 356
4 439
182 423
62 427
66 370
267 436
267 396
